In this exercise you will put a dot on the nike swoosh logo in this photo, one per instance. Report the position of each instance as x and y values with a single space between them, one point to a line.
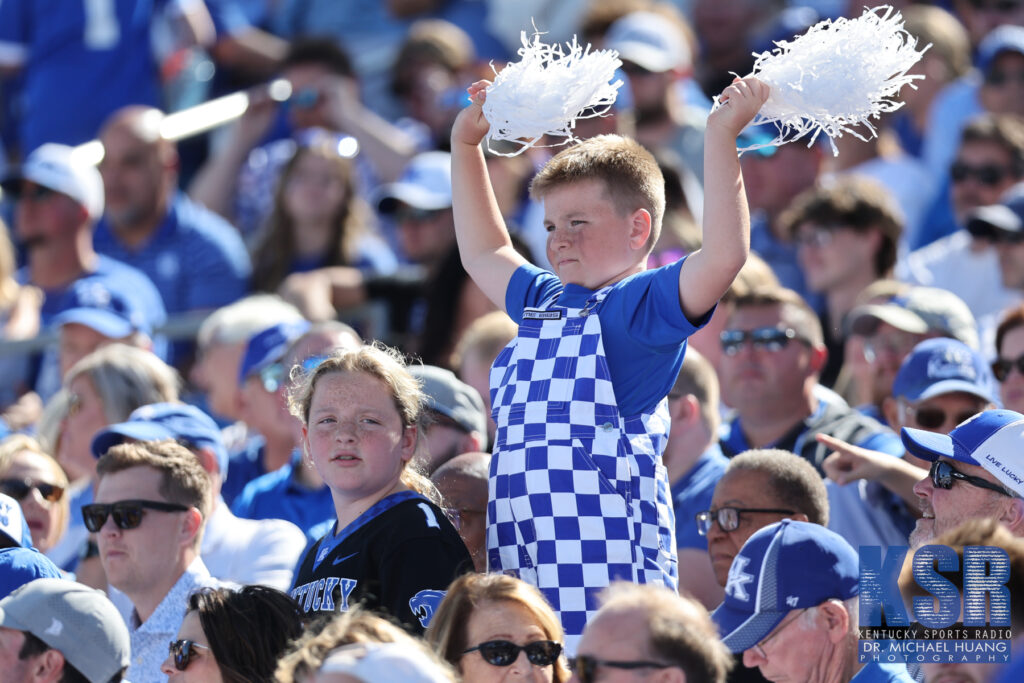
339 560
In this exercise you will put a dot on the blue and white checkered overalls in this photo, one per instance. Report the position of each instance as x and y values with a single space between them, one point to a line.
578 496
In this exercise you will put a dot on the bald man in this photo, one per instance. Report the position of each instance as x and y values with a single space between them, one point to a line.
196 259
462 482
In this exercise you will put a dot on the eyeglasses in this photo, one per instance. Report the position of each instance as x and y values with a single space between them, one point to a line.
986 174
943 475
815 238
930 417
763 338
728 518
505 652
272 376
585 667
1002 367
19 488
897 344
183 651
759 646
127 514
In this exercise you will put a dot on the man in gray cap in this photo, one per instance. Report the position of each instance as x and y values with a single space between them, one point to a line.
59 630
457 424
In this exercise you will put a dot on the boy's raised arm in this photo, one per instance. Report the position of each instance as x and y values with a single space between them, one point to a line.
709 271
484 244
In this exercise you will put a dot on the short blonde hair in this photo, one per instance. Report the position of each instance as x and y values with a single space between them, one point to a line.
470 592
631 176
385 364
357 625
16 444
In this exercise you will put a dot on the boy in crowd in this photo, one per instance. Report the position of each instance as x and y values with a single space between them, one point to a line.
578 494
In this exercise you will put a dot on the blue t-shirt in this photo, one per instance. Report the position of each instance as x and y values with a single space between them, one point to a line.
244 466
877 672
196 259
692 494
82 61
643 327
277 495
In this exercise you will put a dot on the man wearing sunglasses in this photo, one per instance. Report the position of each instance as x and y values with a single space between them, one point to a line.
59 630
772 356
791 608
643 633
977 470
152 501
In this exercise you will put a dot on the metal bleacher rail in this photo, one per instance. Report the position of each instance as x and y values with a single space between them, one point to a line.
372 318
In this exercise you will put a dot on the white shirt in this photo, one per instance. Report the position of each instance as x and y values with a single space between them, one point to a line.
248 551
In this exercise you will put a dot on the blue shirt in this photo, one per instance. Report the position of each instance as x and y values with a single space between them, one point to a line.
643 327
692 494
243 466
277 495
876 672
79 65
196 259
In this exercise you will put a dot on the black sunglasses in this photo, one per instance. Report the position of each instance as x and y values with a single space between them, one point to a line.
19 488
943 475
504 652
765 338
986 174
728 518
585 667
182 651
127 514
930 417
1002 367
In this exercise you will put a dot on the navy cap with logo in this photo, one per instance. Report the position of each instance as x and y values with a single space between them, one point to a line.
943 366
784 566
93 304
159 421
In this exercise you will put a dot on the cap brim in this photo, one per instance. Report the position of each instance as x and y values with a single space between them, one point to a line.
985 219
742 630
926 445
7 620
864 319
952 386
389 196
116 434
107 324
646 57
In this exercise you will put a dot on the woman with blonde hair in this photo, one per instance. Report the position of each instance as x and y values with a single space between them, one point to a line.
31 476
489 624
391 548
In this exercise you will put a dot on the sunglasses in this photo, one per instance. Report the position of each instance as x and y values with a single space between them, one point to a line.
307 98
930 417
505 652
19 488
410 214
1002 367
585 667
998 77
763 338
272 376
127 514
943 476
986 174
728 518
182 652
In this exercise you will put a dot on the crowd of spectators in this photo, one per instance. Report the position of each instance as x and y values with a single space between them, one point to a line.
187 322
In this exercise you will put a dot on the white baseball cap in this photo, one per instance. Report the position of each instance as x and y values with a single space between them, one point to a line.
59 168
650 41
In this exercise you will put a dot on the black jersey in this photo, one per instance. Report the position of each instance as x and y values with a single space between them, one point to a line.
397 557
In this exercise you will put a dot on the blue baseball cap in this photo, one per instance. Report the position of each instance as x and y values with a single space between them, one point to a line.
19 566
942 366
269 346
159 421
13 527
93 304
784 566
993 439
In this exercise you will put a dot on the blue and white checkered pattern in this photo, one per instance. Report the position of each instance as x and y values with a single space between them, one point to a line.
578 495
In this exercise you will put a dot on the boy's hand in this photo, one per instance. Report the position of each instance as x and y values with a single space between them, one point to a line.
471 125
738 104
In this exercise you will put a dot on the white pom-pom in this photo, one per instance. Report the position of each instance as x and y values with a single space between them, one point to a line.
547 90
837 76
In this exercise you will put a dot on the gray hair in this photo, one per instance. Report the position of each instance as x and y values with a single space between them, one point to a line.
126 378
237 322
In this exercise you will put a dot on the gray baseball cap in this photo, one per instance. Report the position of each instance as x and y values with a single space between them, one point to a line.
452 397
76 620
920 310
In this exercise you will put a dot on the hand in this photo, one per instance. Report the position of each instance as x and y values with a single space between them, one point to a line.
738 104
310 292
253 125
849 463
471 125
